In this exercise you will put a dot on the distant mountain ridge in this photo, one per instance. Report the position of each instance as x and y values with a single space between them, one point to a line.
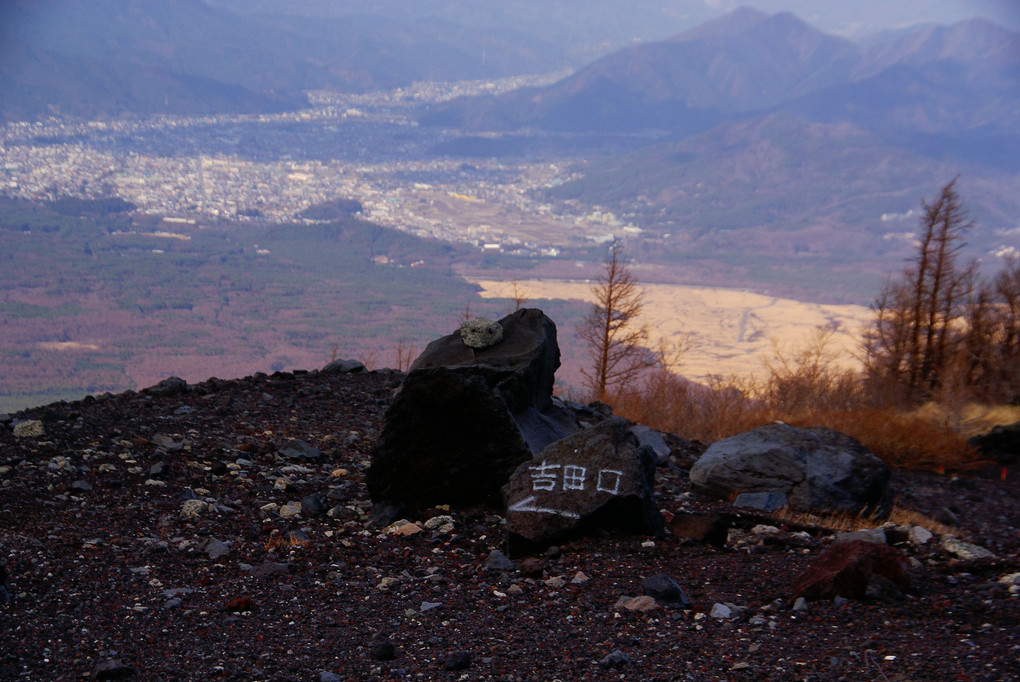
749 62
116 57
783 151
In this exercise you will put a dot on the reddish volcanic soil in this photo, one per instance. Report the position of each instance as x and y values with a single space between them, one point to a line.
161 537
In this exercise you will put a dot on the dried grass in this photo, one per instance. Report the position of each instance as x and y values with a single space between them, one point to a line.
851 523
808 388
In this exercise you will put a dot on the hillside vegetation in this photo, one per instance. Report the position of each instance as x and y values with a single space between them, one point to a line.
94 304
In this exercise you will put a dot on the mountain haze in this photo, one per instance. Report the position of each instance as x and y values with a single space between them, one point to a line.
766 125
112 57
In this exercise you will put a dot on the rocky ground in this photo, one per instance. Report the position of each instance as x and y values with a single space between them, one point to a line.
181 534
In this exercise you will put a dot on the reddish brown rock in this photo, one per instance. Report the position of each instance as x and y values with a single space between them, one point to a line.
844 569
709 528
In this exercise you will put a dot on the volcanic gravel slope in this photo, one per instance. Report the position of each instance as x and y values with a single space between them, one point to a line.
114 570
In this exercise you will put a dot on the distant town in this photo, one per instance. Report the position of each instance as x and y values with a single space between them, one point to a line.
272 167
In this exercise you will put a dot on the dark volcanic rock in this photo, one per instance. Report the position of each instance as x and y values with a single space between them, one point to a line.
170 386
1002 443
599 477
816 468
112 669
344 367
298 449
846 568
466 418
665 590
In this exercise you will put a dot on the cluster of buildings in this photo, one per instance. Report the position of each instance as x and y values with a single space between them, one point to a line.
272 167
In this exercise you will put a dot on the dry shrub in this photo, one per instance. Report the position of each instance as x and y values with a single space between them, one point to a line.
848 522
900 439
809 379
973 419
807 388
667 402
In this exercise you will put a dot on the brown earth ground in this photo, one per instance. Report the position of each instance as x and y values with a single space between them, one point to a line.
105 568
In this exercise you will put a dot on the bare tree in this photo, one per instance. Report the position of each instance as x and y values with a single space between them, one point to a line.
992 356
518 296
914 336
616 341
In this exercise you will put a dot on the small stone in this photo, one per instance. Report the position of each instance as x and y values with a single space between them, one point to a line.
800 604
32 428
722 611
965 550
298 449
403 528
167 443
314 505
481 333
919 535
1010 579
192 509
617 659
344 367
532 567
329 677
497 561
290 509
239 605
665 589
444 524
579 579
556 583
429 606
876 535
383 651
81 486
457 660
215 548
112 669
709 528
641 604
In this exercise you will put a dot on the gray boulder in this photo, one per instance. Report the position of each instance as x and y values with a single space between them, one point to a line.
816 468
598 478
466 418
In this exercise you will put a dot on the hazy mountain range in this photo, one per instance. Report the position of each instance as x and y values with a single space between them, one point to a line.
94 58
739 127
765 123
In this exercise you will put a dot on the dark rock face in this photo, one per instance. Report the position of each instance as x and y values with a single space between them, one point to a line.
1002 444
846 568
465 418
521 367
598 478
816 468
